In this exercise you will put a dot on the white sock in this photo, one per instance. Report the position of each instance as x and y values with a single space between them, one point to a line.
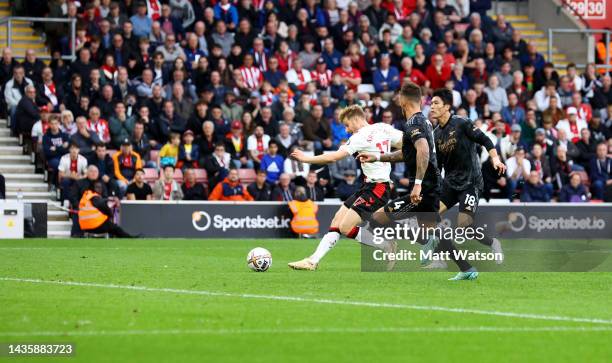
365 237
327 243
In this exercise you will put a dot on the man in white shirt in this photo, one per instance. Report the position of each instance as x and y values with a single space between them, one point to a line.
377 138
257 145
572 125
72 167
542 97
518 169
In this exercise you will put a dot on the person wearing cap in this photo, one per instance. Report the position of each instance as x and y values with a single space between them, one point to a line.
386 78
125 163
321 75
40 127
236 146
348 186
518 169
510 143
572 125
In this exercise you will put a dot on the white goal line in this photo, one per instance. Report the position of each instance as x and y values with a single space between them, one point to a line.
318 301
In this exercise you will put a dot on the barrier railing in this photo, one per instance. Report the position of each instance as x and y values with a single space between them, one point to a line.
8 23
584 32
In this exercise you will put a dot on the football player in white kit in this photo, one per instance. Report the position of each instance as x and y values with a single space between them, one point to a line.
376 138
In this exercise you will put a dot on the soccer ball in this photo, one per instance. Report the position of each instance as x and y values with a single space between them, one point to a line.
259 259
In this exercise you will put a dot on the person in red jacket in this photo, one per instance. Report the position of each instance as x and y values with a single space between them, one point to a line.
231 189
438 72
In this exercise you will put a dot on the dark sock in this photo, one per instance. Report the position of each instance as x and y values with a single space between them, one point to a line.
447 245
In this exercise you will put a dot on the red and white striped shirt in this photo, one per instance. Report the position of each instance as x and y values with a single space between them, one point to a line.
101 129
323 79
252 77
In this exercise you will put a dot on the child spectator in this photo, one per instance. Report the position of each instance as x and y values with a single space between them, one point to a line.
166 188
168 155
189 154
260 190
272 163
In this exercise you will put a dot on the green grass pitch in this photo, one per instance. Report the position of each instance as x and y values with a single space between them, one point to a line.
153 300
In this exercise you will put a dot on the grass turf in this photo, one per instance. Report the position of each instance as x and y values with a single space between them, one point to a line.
120 325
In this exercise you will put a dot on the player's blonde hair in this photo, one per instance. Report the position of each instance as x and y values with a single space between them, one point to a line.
350 112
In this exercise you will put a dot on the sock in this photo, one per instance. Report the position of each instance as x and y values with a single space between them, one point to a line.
486 240
328 242
447 245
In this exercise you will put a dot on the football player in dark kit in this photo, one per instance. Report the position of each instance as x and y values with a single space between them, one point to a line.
418 152
457 141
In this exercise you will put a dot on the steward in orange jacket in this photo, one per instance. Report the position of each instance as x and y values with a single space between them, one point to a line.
94 214
304 214
230 189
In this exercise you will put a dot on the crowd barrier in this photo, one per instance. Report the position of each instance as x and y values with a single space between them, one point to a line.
188 219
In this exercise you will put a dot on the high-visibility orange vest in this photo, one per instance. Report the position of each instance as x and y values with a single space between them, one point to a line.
89 216
601 53
304 217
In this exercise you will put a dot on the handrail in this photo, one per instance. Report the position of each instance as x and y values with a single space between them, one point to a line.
607 35
9 36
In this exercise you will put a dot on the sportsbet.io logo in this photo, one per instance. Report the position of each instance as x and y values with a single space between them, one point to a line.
519 222
202 221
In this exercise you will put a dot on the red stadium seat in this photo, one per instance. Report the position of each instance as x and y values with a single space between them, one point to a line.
151 175
247 176
178 176
201 176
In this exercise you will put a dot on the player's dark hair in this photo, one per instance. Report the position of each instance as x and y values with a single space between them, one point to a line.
445 95
411 91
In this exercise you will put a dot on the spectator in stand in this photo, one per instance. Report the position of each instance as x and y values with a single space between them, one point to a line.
543 96
98 125
166 188
71 168
192 190
26 113
314 190
587 149
518 169
349 76
438 72
565 91
298 77
386 78
272 163
188 152
601 174
513 113
138 189
317 130
541 164
126 162
553 112
260 189
230 189
84 138
510 143
534 189
572 126
217 165
348 186
498 99
106 169
575 191
283 191
257 145
14 90
121 125
55 145
168 154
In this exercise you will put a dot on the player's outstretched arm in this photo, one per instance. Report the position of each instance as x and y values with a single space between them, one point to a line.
390 157
476 135
326 158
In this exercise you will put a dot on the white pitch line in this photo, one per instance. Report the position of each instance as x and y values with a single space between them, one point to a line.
318 301
441 329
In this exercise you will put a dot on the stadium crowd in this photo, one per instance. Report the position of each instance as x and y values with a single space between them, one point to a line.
205 99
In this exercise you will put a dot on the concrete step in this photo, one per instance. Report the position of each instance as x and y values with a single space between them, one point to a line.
58 234
3 122
523 26
514 18
57 216
8 141
5 131
58 226
29 195
532 33
24 178
559 57
19 48
15 159
16 168
26 187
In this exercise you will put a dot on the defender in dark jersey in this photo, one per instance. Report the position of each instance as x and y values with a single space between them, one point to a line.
457 141
418 152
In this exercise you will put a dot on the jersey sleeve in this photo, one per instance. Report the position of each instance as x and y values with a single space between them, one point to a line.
416 131
354 144
396 136
476 135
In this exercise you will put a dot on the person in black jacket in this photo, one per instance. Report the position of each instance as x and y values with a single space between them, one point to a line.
192 190
534 190
101 204
55 145
27 112
260 190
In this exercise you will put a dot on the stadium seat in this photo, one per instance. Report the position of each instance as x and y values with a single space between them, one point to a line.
201 176
151 175
178 176
247 176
